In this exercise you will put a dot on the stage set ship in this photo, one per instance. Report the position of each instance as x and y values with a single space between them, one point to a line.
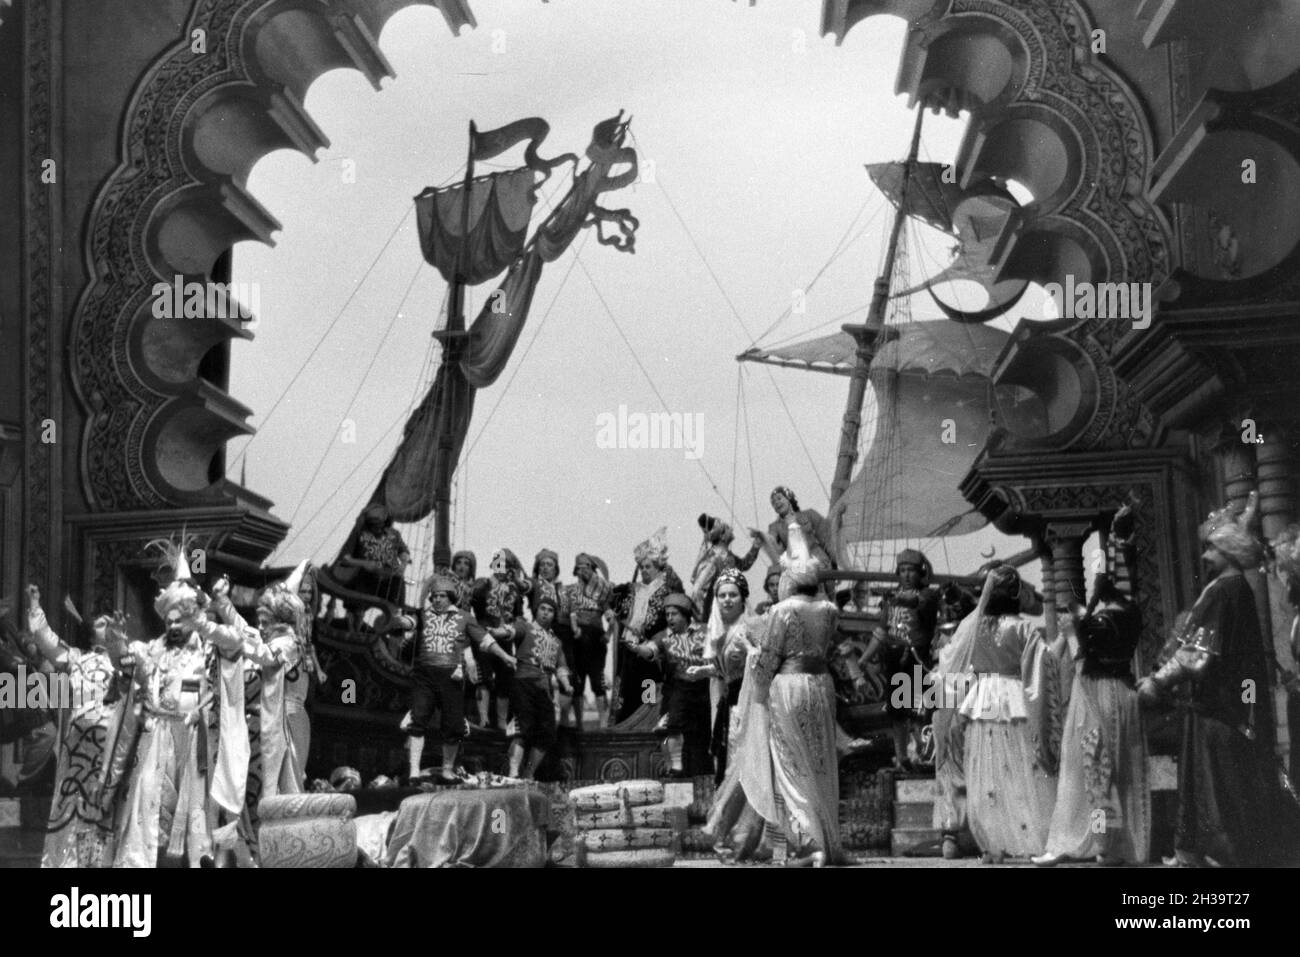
1127 123
929 382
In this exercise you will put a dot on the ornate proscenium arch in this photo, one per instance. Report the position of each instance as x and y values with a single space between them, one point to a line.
196 125
1046 112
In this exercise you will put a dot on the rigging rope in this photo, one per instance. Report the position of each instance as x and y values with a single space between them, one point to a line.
365 376
655 389
420 389
337 316
749 445
735 448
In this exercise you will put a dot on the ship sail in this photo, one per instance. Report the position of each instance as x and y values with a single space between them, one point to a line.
500 206
975 216
932 371
471 233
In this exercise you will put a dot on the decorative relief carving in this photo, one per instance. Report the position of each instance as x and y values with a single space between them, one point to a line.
1043 501
1117 152
152 173
38 464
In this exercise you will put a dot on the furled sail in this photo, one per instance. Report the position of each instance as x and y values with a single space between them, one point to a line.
500 205
489 235
975 216
435 434
493 336
496 330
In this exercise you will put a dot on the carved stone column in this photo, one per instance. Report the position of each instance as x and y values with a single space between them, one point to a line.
1066 542
1049 594
1275 468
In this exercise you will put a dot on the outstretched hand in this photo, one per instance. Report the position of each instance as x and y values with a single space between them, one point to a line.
221 588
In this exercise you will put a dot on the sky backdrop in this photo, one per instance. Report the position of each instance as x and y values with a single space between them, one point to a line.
754 131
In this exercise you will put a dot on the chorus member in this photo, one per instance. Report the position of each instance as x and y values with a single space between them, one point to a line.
716 557
679 648
798 790
547 585
589 599
1231 810
792 521
911 613
724 657
80 828
1010 786
497 601
639 608
540 665
379 555
771 586
443 659
1103 799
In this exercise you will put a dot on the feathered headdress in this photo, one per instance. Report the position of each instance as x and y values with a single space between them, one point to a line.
655 547
179 590
1233 533
799 572
283 602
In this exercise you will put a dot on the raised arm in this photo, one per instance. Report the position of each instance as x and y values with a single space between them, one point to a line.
50 646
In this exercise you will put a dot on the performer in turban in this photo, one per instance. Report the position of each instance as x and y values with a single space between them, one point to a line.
547 585
1231 808
680 647
911 614
588 601
81 816
443 659
540 662
497 601
639 607
1010 772
716 557
167 811
379 555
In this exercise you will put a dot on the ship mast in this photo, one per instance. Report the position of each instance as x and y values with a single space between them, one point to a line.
872 334
452 338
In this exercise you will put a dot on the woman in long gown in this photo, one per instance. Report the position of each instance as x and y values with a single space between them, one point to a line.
1010 784
953 676
785 763
81 816
729 622
1103 802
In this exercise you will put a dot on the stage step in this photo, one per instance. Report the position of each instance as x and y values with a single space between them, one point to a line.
913 814
914 790
913 833
914 842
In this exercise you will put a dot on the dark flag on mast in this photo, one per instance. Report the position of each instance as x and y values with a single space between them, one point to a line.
493 239
500 206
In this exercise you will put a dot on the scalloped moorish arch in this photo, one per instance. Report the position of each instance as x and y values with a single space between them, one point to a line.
1046 112
177 200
